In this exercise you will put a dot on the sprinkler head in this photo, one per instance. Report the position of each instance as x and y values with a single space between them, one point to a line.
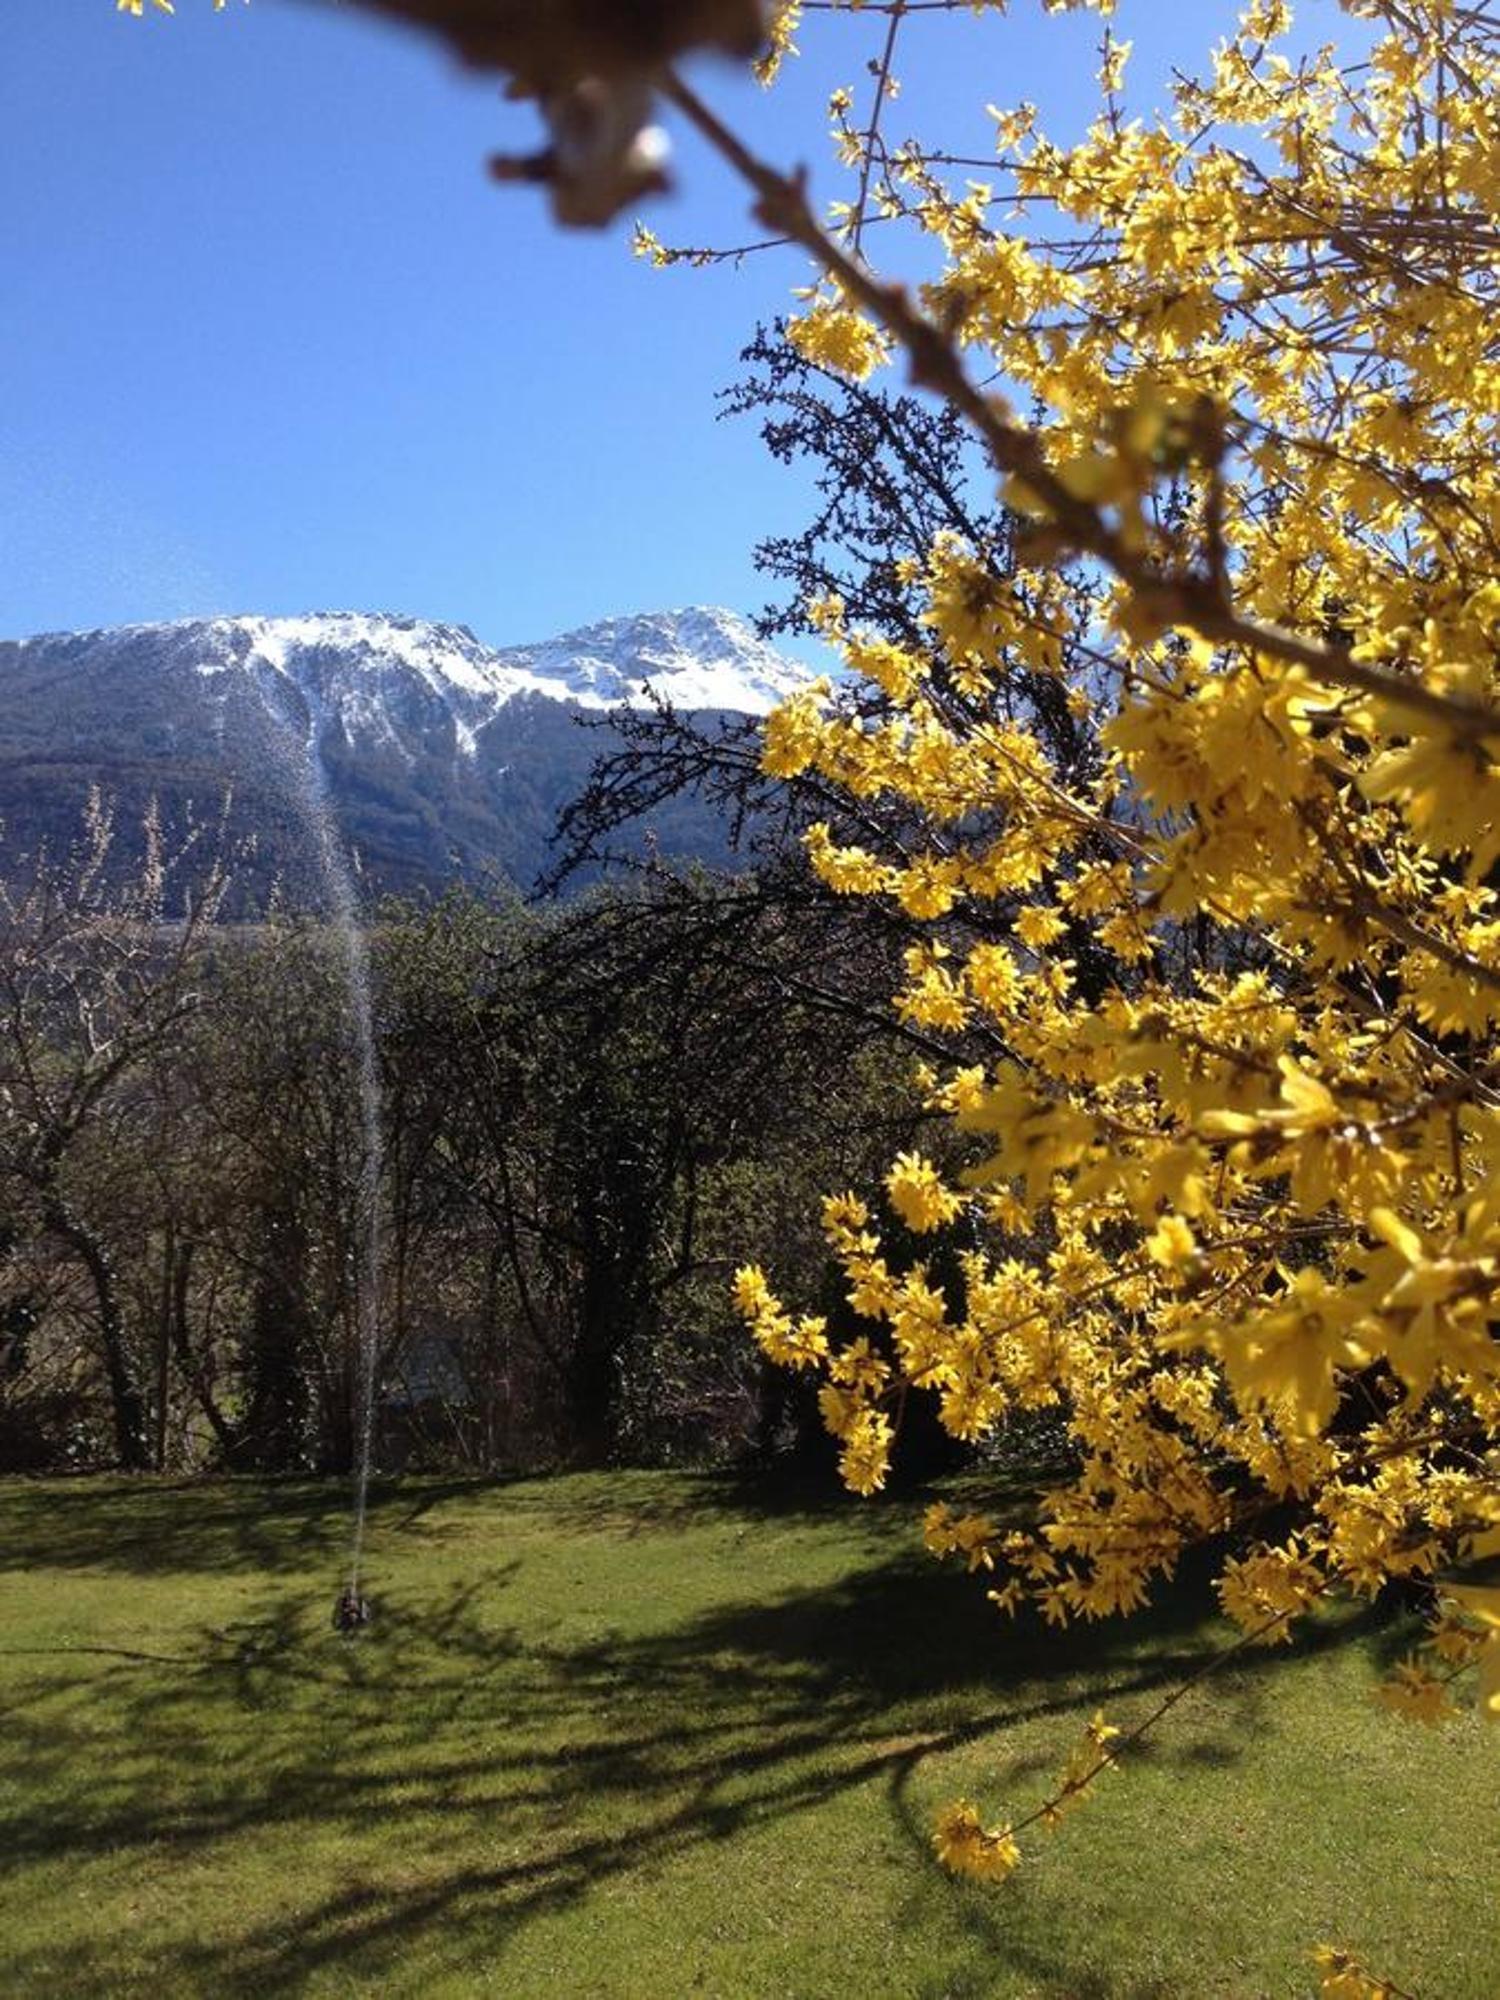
351 1611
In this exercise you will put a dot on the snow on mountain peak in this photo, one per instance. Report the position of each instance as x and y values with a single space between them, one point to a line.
699 657
381 678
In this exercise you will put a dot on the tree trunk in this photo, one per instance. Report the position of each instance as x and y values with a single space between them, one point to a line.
194 1367
127 1404
593 1366
272 1438
164 1346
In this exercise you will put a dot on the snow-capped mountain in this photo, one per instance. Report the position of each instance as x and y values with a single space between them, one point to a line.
697 658
361 662
694 659
438 752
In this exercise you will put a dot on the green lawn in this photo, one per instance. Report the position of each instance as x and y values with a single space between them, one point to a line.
661 1735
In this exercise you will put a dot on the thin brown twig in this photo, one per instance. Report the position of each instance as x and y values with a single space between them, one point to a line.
872 131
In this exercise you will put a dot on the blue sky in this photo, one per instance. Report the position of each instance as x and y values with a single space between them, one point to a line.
274 343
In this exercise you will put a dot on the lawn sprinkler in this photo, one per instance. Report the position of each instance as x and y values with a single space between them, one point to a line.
350 1612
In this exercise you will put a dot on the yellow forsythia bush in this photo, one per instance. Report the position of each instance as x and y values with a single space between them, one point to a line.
1237 1206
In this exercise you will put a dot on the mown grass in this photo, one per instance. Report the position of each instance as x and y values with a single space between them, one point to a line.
660 1735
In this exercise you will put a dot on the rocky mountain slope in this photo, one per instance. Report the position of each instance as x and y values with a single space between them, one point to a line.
438 754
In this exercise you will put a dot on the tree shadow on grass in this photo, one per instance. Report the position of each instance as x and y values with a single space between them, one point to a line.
750 1496
997 1936
151 1527
413 1747
147 1526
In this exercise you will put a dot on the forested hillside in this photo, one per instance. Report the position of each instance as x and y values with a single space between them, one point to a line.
443 758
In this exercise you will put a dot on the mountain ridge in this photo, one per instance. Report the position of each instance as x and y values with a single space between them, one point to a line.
440 754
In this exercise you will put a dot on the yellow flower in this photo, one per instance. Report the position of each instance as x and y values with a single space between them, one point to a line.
834 337
964 1846
1037 927
1411 1692
918 1195
1172 1244
1483 1605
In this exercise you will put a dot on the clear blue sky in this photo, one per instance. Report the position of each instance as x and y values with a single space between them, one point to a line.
272 341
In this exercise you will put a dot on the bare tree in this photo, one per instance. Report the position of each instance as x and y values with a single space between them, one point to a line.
95 982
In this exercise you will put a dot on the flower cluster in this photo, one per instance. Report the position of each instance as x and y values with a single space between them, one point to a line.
1242 978
1231 1205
